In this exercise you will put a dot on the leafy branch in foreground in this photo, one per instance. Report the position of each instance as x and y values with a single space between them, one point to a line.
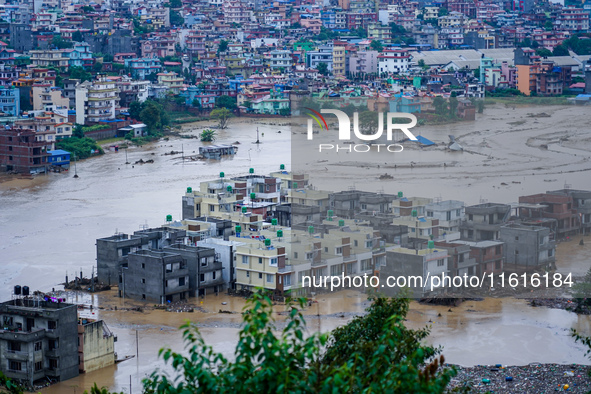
373 353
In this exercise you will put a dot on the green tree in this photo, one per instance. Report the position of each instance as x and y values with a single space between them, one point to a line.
223 47
97 67
442 11
548 25
225 101
208 135
60 43
77 72
222 115
176 19
376 46
440 105
78 131
560 50
375 353
361 32
543 52
453 107
151 116
135 107
77 36
322 68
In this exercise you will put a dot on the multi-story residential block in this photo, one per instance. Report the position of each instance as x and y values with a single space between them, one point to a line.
96 100
582 204
404 262
80 55
38 339
172 81
459 261
527 247
50 58
280 59
155 276
450 214
22 150
324 54
10 101
45 97
363 62
338 61
141 68
556 207
489 256
572 19
484 221
394 61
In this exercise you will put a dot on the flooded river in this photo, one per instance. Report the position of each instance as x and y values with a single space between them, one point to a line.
48 228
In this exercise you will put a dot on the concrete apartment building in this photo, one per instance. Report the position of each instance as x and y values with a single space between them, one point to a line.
96 101
155 276
112 252
582 204
96 345
528 247
459 262
483 221
450 214
203 228
413 262
489 256
22 151
555 207
363 62
403 206
38 340
205 268
420 228
347 204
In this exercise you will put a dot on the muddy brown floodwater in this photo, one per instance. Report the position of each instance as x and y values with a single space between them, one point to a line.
48 227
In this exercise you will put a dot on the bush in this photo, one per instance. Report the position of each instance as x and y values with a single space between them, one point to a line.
80 148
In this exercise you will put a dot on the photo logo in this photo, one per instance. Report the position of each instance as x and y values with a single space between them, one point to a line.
345 129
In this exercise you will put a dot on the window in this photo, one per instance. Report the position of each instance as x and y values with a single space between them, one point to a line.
213 274
366 265
144 280
550 253
53 363
168 268
211 208
448 215
7 320
440 262
244 259
461 258
143 266
339 250
38 366
309 256
38 346
260 260
368 244
14 346
470 217
202 277
15 366
260 275
53 344
326 248
248 274
497 265
182 281
287 280
52 325
273 261
517 238
295 255
204 262
498 249
269 278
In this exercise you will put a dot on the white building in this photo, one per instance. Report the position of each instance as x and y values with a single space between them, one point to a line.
394 61
96 101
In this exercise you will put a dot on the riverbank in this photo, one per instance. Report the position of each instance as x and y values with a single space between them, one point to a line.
532 378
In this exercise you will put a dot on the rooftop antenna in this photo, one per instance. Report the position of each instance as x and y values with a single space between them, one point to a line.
257 141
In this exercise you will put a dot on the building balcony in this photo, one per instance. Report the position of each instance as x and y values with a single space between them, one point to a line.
16 355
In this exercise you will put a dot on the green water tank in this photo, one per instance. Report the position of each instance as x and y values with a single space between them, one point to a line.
282 166
280 233
400 194
222 175
244 209
274 222
169 218
229 188
311 229
414 213
430 244
252 196
341 223
238 229
295 185
189 190
251 171
267 242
